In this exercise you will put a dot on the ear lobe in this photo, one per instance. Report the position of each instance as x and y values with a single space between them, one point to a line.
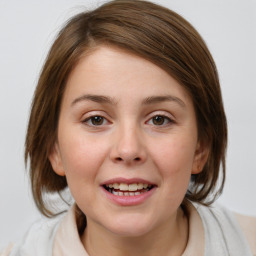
200 158
56 161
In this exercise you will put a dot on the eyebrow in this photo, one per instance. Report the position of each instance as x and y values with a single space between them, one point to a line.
159 99
147 101
94 98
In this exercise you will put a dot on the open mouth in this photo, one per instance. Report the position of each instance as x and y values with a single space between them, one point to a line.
123 189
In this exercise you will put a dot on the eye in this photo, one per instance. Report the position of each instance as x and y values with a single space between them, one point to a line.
160 120
95 120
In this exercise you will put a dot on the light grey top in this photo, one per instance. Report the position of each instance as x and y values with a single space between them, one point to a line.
220 235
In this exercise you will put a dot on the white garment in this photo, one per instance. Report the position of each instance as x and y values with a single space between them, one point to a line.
223 235
215 233
38 240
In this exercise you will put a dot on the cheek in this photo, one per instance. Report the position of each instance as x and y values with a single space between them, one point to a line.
81 156
174 159
175 156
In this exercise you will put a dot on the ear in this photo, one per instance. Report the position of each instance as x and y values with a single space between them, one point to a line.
200 158
56 160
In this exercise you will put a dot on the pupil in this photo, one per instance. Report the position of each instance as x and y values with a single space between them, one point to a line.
97 120
158 120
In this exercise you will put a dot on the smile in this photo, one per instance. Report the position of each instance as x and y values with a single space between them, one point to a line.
124 189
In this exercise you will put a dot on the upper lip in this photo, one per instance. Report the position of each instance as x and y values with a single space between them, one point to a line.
127 181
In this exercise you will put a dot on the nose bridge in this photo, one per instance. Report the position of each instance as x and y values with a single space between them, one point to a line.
129 146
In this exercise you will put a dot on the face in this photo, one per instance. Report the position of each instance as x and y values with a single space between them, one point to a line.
127 142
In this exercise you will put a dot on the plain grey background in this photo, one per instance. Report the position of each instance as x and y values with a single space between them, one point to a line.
27 29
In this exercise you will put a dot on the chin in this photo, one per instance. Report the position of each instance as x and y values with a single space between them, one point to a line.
130 227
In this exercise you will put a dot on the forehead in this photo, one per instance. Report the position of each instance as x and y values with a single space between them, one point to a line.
111 70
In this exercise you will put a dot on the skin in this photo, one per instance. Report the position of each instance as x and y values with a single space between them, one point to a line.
128 143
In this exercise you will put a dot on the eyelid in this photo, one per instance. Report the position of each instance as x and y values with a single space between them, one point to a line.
93 113
161 113
90 119
164 114
86 117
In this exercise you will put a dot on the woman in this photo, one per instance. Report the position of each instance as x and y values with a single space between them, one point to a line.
128 115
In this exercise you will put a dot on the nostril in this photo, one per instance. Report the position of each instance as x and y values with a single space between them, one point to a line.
120 159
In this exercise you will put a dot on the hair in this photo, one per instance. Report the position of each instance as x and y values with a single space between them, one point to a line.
154 33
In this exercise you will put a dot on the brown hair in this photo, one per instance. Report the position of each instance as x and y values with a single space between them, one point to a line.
154 33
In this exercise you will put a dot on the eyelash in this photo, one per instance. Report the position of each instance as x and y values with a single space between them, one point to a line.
89 120
102 120
166 120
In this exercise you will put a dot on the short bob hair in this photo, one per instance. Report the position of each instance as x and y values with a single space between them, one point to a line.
154 33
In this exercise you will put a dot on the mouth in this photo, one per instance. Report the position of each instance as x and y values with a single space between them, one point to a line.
128 190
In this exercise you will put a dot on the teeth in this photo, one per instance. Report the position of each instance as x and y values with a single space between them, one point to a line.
140 186
115 193
123 187
116 186
120 193
131 187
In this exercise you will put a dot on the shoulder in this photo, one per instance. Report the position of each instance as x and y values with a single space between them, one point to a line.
248 225
7 250
37 240
236 231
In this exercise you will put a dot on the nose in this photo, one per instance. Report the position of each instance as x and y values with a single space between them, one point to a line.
128 146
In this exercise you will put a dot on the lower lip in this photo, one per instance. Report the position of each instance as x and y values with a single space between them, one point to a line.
129 200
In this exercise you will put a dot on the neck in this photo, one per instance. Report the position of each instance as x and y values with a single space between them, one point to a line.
168 239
